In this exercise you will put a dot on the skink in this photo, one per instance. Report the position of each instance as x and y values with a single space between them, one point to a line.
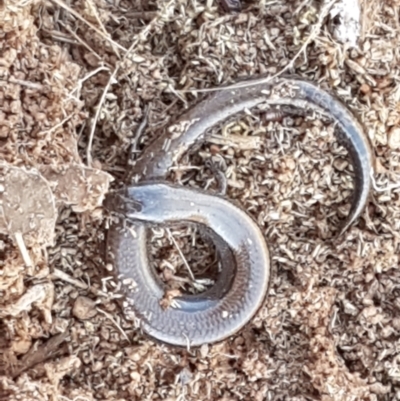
129 253
240 288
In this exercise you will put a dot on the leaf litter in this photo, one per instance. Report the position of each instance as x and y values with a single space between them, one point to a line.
76 81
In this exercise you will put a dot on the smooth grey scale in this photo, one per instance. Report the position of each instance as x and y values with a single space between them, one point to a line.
190 129
240 288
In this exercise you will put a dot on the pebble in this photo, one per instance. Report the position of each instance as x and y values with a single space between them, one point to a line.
394 138
84 308
365 89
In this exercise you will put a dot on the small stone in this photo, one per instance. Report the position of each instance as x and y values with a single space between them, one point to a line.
355 67
365 89
84 308
4 131
369 312
394 138
387 331
379 388
185 376
97 366
340 164
396 323
204 350
214 149
21 346
349 308
135 376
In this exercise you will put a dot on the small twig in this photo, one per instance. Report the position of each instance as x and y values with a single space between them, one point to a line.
31 85
145 15
184 168
22 248
140 130
80 132
177 94
390 187
77 398
115 323
187 342
219 175
236 141
59 274
181 255
60 124
86 77
59 36
96 117
61 4
41 354
300 7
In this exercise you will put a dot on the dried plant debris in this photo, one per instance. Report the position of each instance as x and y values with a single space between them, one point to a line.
80 187
40 295
77 79
38 112
185 258
27 206
39 354
49 387
84 308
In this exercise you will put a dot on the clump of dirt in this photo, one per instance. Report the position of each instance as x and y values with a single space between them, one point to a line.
76 82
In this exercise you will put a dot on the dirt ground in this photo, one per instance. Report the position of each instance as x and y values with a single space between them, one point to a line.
76 80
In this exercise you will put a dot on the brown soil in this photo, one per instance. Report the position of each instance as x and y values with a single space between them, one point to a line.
76 80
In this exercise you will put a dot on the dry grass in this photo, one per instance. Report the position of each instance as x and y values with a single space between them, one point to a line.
330 328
